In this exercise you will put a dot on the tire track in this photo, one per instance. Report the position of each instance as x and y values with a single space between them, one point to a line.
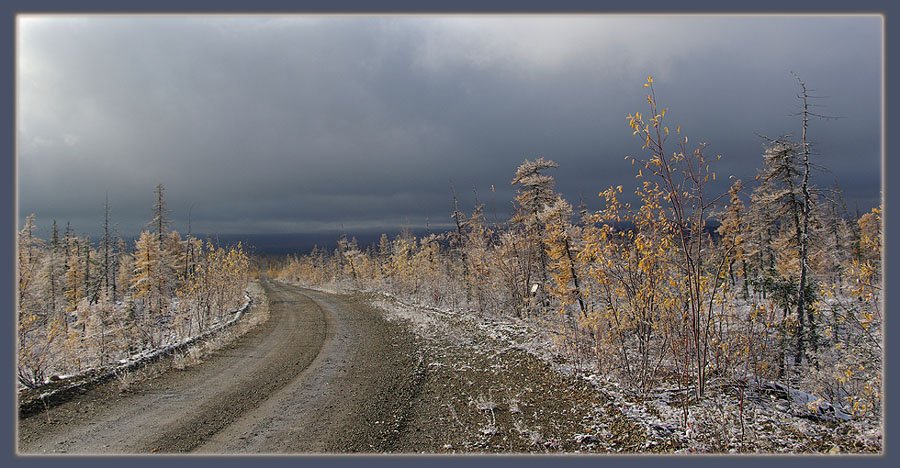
325 373
178 410
299 340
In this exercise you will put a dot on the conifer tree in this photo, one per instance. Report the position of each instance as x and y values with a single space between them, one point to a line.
105 248
54 271
561 252
90 290
733 230
28 247
477 257
124 271
160 221
534 194
145 283
804 299
75 276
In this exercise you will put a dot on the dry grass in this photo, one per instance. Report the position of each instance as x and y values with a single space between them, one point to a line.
194 355
190 357
258 313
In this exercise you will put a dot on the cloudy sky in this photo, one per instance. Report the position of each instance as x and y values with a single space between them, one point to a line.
305 124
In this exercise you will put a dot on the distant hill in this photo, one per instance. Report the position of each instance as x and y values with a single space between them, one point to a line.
295 243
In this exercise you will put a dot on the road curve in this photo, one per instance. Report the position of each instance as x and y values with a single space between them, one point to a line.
325 373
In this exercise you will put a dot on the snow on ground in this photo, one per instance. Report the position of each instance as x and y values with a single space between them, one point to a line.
60 386
732 418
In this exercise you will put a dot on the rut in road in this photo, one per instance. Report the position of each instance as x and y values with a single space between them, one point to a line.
329 373
300 382
299 329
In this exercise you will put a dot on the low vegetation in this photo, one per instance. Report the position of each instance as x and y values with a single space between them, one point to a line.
771 288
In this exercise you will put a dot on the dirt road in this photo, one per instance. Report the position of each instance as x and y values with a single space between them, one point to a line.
323 374
331 373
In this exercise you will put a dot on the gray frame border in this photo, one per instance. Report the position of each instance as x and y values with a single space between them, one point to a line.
10 8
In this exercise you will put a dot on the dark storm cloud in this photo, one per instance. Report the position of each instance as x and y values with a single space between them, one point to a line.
305 124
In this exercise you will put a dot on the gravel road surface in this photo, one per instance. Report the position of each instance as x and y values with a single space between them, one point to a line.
331 373
323 374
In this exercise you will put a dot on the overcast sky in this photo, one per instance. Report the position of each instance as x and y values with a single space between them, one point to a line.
309 123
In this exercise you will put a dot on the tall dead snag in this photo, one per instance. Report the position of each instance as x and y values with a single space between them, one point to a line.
163 276
803 302
458 246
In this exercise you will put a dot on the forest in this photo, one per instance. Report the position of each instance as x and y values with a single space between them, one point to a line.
712 298
773 284
85 305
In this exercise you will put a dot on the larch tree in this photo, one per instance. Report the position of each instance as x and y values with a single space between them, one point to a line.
514 265
106 253
174 260
477 258
402 250
534 194
145 284
733 229
75 274
124 272
425 266
168 248
348 252
558 241
160 221
458 246
90 282
29 247
55 273
777 204
384 257
36 330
